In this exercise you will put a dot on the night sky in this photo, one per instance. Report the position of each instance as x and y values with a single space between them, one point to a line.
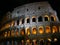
9 5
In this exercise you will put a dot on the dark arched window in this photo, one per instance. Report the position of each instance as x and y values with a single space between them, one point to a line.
28 20
17 22
33 19
27 9
41 42
39 8
22 21
46 18
39 19
52 18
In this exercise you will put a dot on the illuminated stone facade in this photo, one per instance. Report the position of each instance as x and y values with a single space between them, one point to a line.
30 24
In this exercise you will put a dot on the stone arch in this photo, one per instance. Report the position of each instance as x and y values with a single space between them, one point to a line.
41 30
27 31
46 18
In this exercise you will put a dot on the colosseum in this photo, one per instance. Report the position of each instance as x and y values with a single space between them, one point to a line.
30 24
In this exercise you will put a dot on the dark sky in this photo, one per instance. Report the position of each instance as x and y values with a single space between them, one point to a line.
8 5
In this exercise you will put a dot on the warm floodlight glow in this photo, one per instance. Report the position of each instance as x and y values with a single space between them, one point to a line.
55 39
49 39
48 29
34 31
28 31
54 29
41 30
